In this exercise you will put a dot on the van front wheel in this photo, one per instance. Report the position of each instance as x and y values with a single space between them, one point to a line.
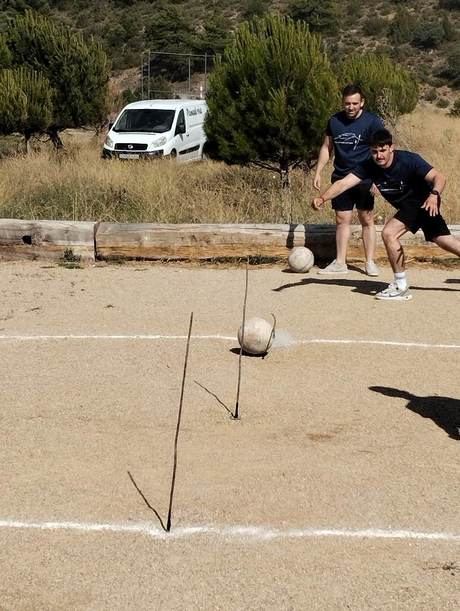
173 154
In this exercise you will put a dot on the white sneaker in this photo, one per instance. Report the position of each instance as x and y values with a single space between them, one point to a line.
392 293
372 269
334 268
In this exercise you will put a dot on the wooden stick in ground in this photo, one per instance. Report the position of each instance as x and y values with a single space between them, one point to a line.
179 415
236 415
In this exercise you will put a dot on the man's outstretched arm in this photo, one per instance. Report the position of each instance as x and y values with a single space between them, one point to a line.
349 181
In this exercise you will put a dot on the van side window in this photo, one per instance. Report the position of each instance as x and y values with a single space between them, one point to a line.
180 126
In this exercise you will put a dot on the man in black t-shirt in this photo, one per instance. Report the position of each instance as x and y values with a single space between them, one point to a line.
347 138
411 185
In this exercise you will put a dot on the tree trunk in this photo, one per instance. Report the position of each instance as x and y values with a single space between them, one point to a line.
27 137
53 133
284 174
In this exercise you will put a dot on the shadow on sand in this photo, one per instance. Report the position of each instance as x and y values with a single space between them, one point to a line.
444 411
213 394
364 287
134 483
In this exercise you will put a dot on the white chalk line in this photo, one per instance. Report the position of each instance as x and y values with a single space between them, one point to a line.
258 533
293 342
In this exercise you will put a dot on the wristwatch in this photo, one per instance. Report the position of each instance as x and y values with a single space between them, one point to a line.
438 195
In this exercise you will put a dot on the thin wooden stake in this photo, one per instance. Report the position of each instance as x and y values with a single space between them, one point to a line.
236 415
179 415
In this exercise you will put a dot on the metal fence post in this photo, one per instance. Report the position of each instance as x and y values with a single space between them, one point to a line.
148 77
205 74
142 75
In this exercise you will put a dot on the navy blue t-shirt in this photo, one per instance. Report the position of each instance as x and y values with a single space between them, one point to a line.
351 139
403 182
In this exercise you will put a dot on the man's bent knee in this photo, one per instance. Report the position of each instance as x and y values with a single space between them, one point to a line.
387 235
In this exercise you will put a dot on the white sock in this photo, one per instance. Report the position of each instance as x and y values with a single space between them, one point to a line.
401 280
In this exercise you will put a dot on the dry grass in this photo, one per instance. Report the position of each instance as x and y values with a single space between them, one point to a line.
435 135
79 185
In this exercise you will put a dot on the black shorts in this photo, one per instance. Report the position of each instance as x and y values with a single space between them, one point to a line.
359 196
415 217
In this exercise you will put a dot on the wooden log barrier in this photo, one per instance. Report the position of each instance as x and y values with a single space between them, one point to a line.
87 241
65 240
190 241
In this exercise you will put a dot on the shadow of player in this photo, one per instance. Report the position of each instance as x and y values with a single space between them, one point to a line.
444 411
364 287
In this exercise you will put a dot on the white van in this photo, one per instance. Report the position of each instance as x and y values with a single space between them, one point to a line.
156 128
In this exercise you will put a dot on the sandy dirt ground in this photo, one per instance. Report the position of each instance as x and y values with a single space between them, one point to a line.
338 488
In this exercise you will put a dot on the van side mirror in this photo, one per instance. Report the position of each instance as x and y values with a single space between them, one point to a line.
111 124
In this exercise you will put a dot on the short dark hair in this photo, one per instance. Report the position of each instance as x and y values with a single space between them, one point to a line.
352 89
381 137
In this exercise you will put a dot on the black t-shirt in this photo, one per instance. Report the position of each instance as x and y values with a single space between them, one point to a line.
351 139
403 182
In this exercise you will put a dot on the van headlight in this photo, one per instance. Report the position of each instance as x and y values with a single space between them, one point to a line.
109 142
159 142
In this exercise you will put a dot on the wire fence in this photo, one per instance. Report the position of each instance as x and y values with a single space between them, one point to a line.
174 75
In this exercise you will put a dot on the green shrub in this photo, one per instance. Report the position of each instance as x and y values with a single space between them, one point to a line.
428 35
455 110
431 95
452 70
321 16
374 26
452 5
442 103
402 27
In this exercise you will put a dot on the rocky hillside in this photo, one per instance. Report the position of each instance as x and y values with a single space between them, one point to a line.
421 34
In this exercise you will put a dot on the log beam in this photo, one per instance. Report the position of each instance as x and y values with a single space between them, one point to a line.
65 240
151 241
87 241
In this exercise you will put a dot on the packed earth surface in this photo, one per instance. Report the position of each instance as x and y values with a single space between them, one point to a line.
338 487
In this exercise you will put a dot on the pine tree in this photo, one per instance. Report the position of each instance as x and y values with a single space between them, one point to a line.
25 102
389 89
5 54
77 70
270 96
13 103
169 32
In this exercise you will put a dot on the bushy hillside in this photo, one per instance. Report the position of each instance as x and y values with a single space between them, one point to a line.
422 34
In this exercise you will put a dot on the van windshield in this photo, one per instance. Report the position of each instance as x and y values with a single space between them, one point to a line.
151 120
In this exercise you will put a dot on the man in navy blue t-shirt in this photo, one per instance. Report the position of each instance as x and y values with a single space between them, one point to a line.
411 185
347 138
